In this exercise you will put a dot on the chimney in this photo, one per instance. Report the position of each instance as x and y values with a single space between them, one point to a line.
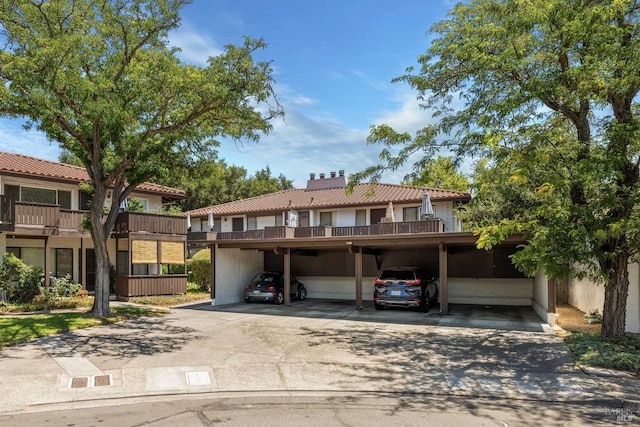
341 172
312 176
322 176
333 174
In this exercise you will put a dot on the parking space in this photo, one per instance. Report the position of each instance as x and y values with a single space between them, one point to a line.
515 318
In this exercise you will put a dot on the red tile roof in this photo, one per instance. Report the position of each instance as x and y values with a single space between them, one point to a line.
331 198
26 166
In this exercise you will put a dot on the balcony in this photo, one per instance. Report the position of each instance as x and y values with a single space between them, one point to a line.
51 219
284 232
129 222
134 286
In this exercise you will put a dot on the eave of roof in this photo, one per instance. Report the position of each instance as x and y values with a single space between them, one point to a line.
298 199
30 167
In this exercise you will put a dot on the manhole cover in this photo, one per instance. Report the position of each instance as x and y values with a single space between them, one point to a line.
79 382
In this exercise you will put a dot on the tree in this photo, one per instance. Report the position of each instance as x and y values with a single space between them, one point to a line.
99 78
211 181
547 91
440 172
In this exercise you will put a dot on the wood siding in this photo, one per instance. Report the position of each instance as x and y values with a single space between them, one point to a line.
150 223
132 286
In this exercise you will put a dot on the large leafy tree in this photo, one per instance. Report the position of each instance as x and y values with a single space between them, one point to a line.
99 78
547 91
439 172
211 181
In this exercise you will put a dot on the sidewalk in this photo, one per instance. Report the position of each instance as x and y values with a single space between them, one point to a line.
204 349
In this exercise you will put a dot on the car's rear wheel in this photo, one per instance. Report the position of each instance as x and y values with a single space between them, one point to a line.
378 306
302 294
279 299
424 303
247 300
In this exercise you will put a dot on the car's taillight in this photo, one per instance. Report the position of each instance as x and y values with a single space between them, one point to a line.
381 282
412 282
247 288
271 289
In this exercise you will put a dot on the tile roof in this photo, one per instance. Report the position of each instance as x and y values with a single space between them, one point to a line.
330 198
26 166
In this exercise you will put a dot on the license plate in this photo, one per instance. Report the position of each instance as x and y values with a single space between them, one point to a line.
256 292
396 293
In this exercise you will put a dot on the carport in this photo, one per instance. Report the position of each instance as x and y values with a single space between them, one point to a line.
452 252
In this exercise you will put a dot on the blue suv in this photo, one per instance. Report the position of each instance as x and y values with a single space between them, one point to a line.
405 287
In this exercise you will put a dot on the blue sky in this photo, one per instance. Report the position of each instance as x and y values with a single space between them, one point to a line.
333 63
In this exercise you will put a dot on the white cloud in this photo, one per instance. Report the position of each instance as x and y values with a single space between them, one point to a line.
409 117
196 46
15 139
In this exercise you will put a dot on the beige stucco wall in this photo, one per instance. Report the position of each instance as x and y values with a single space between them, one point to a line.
586 295
540 302
234 268
337 287
490 291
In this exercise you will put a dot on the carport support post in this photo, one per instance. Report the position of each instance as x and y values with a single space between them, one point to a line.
443 282
287 276
212 272
358 271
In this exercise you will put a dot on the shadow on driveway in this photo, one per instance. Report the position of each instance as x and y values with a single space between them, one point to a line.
513 318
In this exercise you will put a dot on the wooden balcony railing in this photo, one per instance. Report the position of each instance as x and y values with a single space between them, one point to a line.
33 214
284 232
150 223
409 227
132 286
71 220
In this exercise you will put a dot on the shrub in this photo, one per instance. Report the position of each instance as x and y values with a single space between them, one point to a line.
59 288
19 280
199 267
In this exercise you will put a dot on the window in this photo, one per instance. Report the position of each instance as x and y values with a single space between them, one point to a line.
123 263
361 217
237 224
39 195
63 262
326 218
30 256
64 199
410 214
252 223
85 199
12 191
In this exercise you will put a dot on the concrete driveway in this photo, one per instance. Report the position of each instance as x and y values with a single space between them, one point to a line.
309 347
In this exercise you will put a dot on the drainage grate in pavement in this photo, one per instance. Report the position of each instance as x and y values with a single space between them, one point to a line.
78 382
91 382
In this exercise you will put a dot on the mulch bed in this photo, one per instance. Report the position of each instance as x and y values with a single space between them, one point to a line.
572 320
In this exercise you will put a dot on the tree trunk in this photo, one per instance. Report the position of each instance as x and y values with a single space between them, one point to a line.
100 235
615 297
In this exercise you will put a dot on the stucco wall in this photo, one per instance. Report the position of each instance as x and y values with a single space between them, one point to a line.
234 268
540 301
341 288
490 291
586 295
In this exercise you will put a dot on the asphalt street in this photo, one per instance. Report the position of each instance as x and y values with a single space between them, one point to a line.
497 365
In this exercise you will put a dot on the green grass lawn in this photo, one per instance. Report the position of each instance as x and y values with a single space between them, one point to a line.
17 329
25 327
622 354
